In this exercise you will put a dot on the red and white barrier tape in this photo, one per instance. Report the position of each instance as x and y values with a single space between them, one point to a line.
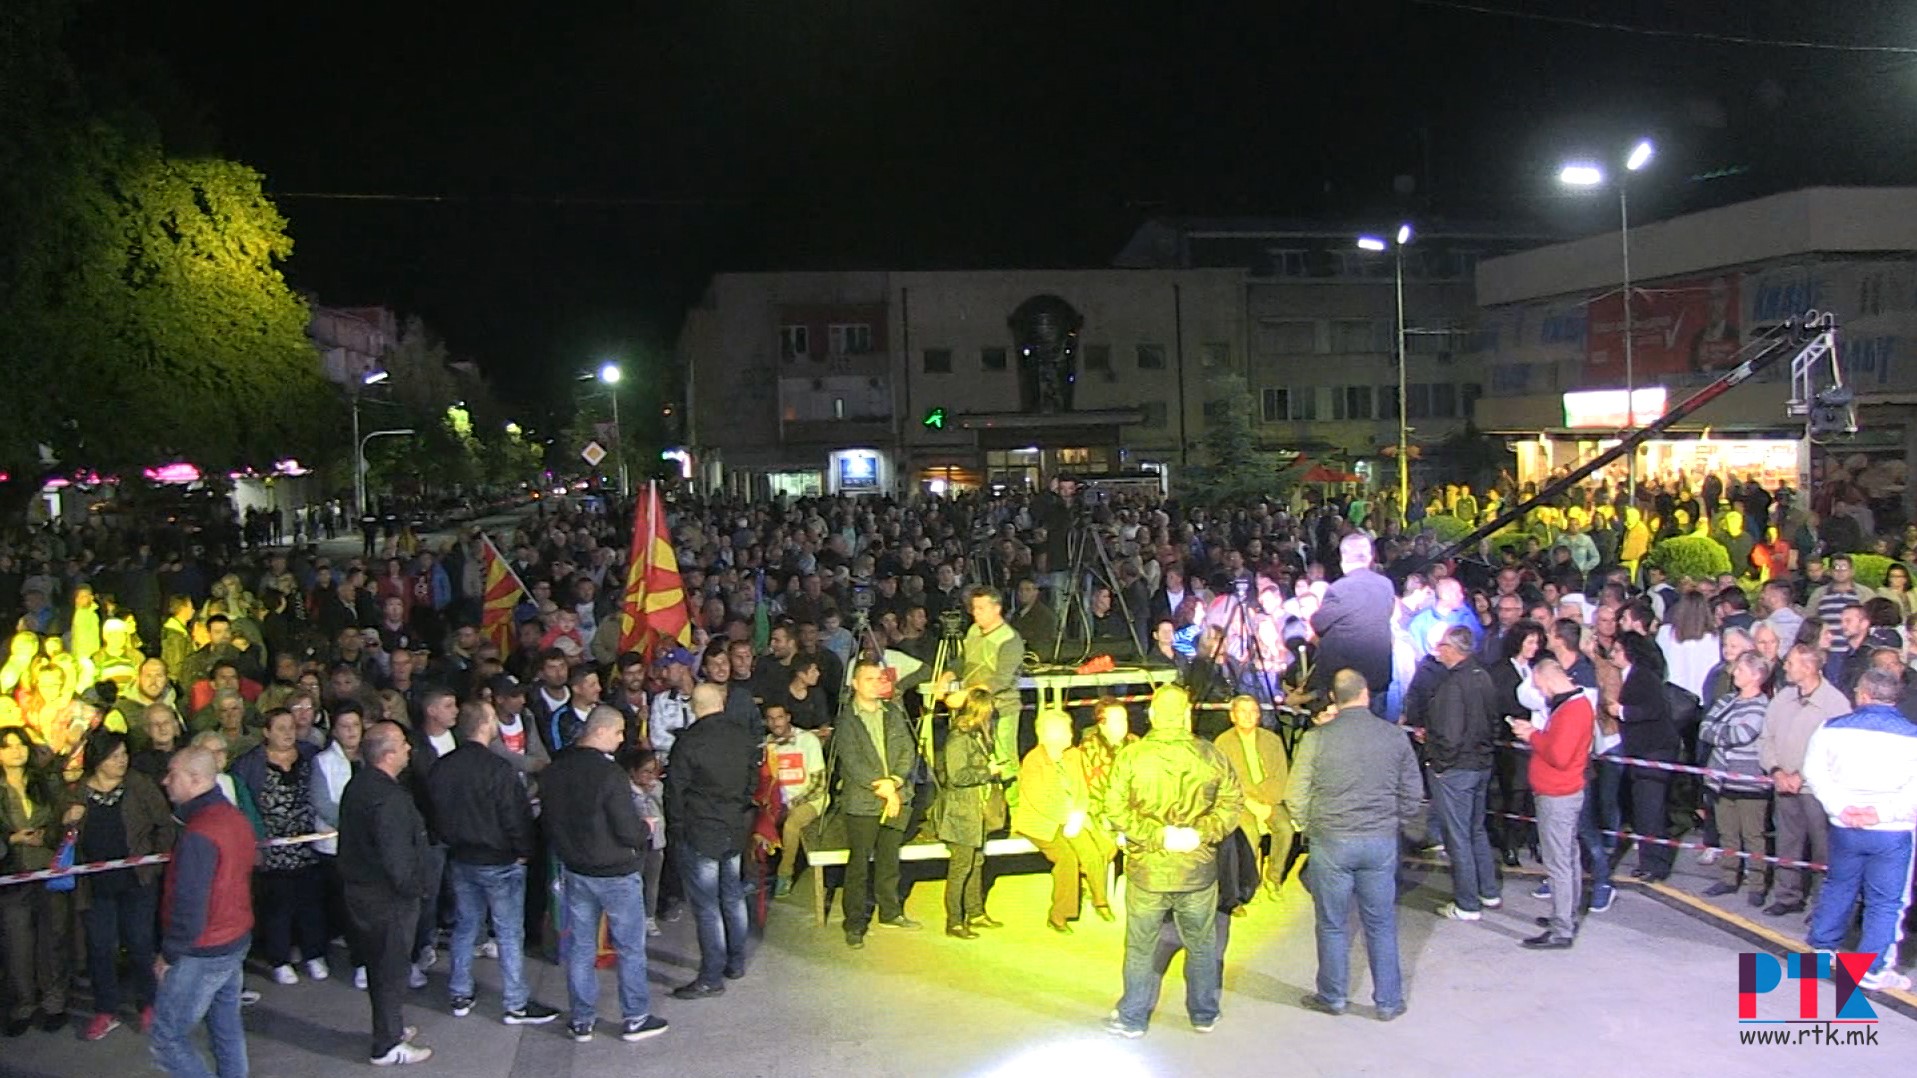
1662 765
1631 836
135 862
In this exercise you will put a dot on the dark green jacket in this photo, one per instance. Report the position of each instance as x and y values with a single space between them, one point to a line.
1172 779
963 788
859 762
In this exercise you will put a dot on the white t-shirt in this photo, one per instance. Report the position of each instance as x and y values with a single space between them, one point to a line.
443 743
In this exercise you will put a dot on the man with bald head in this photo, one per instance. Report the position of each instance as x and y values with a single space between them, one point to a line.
206 923
715 766
382 862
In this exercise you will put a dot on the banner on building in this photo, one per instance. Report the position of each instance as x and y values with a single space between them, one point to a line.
1677 328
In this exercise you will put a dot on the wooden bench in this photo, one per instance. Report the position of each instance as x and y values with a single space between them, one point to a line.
820 860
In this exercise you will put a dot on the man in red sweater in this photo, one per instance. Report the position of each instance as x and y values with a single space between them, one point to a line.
1560 748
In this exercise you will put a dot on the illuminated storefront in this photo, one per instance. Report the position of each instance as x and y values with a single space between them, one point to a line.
1773 457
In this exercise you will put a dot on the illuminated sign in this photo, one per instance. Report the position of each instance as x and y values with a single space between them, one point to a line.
1606 409
859 471
934 419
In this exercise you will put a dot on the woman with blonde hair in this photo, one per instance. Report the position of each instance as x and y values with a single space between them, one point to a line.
965 784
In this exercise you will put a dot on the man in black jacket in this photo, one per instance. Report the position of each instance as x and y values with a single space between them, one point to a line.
875 757
382 849
1459 732
486 821
715 765
600 839
1354 621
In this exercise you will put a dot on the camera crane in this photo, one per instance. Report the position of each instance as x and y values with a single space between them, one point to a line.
1818 394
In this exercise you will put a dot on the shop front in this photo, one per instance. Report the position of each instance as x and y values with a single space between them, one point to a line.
1593 422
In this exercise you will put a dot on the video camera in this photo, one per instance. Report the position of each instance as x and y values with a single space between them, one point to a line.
952 623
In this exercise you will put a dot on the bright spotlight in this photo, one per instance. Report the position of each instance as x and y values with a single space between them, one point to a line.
1370 243
1640 155
1404 234
1581 175
610 374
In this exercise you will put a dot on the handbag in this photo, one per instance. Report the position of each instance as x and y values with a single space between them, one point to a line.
996 814
62 860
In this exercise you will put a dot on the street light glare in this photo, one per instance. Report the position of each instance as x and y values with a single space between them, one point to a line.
1581 175
1404 234
373 378
609 374
1370 243
1640 155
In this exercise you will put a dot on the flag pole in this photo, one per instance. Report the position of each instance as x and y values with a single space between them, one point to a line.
504 564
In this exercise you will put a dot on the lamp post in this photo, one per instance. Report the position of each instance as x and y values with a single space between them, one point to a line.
370 378
610 374
1583 174
360 455
1375 243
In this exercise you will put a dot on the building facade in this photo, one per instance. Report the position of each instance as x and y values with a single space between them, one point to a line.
1551 338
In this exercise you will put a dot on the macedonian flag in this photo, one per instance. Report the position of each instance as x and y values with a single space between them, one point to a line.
653 613
503 593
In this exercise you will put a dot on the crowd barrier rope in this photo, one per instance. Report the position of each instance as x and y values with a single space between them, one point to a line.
135 862
1631 836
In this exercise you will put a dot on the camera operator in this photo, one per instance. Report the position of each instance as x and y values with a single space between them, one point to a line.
990 657
1053 511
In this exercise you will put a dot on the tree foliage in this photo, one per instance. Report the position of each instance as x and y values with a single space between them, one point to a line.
1235 468
143 315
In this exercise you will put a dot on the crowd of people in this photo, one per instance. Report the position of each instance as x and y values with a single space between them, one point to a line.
356 769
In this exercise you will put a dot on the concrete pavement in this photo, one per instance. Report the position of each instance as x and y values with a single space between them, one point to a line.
1650 989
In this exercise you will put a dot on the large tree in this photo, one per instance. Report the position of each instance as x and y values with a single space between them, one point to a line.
143 315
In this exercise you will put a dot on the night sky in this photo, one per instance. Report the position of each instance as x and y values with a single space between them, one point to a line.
597 162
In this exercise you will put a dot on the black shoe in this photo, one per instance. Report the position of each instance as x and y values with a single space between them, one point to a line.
1640 873
532 1014
735 975
698 990
1719 890
462 1006
581 1032
1780 909
638 1029
1059 927
1387 1014
960 932
1548 942
984 921
1542 922
57 1021
901 921
855 940
1510 859
1755 898
1316 1002
19 1026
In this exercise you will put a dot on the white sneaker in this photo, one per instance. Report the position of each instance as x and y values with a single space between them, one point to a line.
359 978
1451 910
428 957
415 977
403 1054
283 974
487 949
652 926
1885 980
1709 856
316 969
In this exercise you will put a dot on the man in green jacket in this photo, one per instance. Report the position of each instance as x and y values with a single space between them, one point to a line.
1174 798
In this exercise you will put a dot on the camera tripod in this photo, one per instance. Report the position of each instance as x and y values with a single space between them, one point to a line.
1088 557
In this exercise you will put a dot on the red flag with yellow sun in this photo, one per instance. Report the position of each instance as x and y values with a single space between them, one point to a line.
652 613
502 595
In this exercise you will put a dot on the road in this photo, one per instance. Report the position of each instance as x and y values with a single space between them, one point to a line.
497 525
1650 989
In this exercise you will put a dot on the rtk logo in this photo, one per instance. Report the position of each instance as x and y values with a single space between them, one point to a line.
1758 974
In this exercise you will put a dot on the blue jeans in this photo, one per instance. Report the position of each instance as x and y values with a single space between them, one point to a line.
717 894
501 891
195 989
622 899
1601 814
1875 865
1195 914
1460 797
1365 868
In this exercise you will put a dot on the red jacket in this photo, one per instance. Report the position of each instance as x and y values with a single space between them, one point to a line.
207 907
1560 750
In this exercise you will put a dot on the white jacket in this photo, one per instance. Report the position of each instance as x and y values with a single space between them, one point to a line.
331 770
1866 759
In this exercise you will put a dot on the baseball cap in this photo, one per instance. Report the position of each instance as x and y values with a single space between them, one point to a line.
674 656
506 685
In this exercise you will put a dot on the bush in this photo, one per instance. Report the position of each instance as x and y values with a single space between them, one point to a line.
1694 556
1446 528
1870 569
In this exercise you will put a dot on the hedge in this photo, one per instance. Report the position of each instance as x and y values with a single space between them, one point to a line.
1871 569
1695 556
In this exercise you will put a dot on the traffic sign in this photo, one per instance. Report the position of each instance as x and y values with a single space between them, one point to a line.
593 454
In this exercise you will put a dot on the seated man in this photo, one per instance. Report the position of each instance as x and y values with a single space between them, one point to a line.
1034 620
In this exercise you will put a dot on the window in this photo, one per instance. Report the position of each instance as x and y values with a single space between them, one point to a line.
1444 400
794 342
1098 357
838 407
1216 356
1154 413
1350 335
851 339
992 359
1287 262
1353 403
1287 335
1417 401
1151 357
1277 405
1469 398
1387 402
938 361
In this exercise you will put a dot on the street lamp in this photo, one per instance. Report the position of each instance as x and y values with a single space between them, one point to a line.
610 374
370 378
1587 175
1375 243
359 457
